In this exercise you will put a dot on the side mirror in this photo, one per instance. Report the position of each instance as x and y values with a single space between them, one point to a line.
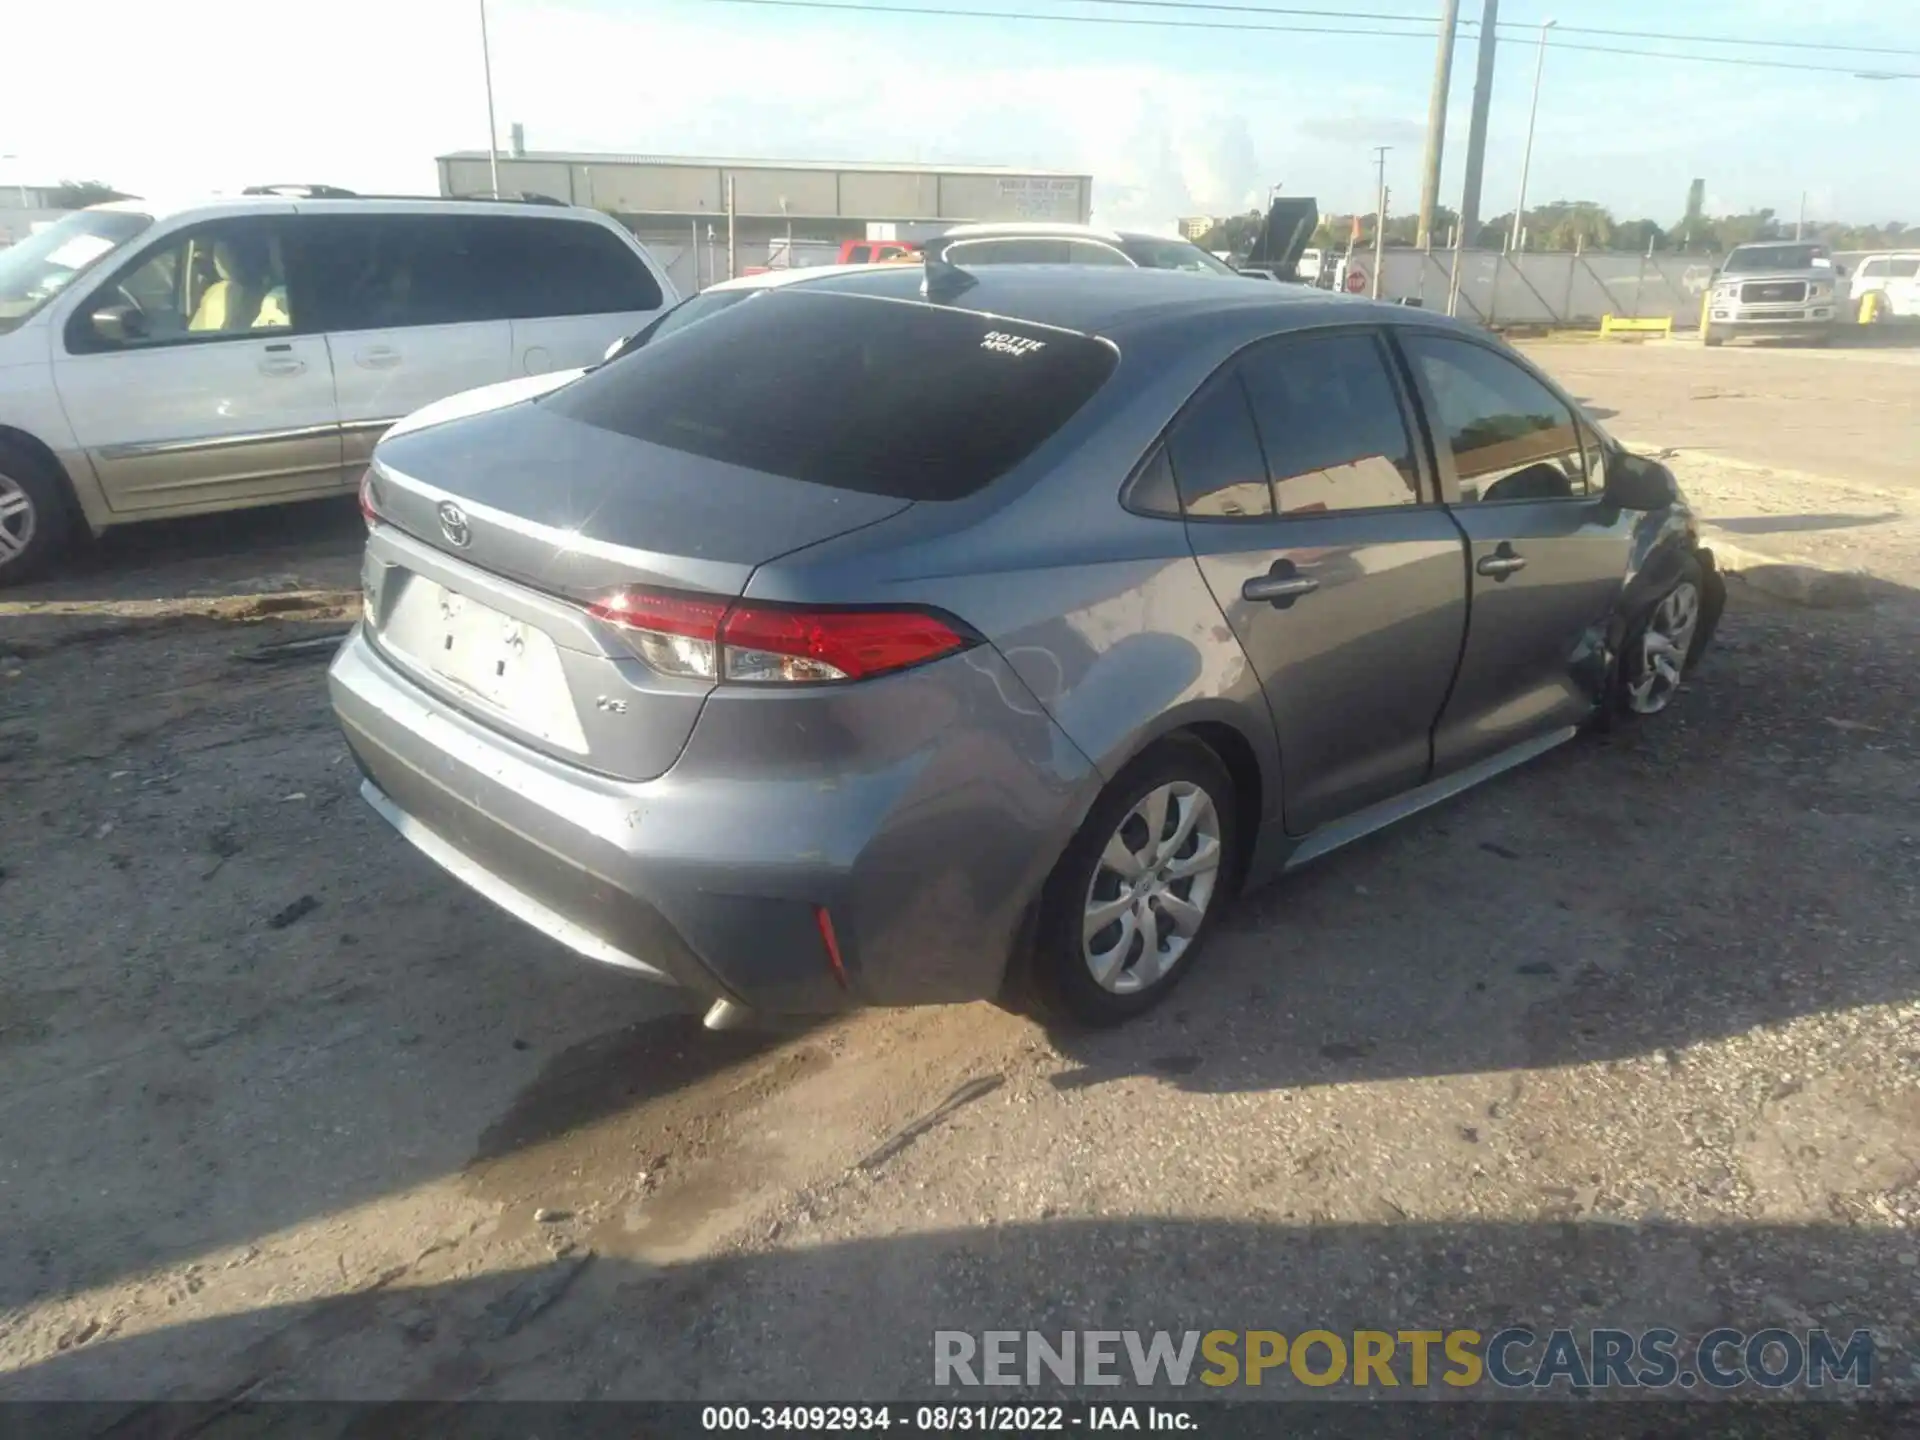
1636 483
118 324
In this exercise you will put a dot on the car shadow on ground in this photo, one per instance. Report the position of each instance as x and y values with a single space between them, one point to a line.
854 1321
313 542
1788 524
1737 863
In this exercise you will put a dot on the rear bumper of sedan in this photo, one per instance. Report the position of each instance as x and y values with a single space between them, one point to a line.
890 860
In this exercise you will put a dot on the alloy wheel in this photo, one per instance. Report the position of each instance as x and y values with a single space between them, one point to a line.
1152 887
16 519
1664 646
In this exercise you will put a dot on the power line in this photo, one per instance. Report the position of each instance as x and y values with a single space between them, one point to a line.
1425 33
1530 27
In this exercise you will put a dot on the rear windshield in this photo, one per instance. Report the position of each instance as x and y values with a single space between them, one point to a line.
1152 254
886 397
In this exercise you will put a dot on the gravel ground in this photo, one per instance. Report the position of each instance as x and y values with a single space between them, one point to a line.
1631 1037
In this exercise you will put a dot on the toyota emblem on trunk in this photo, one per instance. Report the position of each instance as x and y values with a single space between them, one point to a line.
453 524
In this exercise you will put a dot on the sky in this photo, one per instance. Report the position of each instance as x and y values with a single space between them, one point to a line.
1170 121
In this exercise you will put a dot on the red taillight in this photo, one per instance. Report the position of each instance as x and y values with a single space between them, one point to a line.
711 639
675 634
367 512
764 643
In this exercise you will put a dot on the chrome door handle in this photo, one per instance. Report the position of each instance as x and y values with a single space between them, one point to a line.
1279 587
1501 563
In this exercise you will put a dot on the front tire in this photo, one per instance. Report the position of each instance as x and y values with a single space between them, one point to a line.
35 520
1713 338
1662 645
1137 891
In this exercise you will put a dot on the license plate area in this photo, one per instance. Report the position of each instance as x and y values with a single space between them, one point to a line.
503 667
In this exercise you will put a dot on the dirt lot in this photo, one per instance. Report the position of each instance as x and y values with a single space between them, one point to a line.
1629 1038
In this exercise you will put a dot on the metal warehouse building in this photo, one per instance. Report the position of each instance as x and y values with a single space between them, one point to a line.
678 207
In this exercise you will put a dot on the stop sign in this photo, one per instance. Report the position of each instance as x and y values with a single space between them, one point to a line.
1356 281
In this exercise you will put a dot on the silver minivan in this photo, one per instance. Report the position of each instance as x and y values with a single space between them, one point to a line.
177 360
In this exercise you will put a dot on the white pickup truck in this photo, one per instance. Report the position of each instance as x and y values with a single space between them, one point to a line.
1775 288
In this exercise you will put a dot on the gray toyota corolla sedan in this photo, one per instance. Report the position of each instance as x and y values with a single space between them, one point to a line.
863 642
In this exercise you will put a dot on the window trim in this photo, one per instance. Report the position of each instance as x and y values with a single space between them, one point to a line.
1442 454
77 336
1420 442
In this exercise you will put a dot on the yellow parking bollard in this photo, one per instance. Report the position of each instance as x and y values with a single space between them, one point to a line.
1872 308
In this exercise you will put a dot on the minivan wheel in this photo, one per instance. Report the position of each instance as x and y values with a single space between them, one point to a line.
1136 893
34 519
1659 647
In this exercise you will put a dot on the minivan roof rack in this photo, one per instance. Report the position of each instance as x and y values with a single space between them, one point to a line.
301 192
335 192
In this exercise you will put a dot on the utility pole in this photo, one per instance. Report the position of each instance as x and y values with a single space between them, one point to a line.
732 246
493 131
1477 127
1437 124
1380 217
1801 224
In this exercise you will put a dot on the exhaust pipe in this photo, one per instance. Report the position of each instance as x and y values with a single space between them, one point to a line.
727 1015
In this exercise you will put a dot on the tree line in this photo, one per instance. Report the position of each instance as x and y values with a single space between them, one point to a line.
1582 225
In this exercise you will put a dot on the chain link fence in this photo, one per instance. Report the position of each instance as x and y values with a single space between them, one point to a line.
1545 289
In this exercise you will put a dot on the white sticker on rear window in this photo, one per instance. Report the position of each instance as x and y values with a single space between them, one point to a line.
1010 344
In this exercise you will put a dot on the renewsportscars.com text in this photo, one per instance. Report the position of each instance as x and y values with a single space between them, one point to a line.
1512 1358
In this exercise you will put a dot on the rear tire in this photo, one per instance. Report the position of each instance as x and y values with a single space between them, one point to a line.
36 517
1127 908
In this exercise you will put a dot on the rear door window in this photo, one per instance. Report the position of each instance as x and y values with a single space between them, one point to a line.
914 401
547 267
1331 424
389 272
1019 250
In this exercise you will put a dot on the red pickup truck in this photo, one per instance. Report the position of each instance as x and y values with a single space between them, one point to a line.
867 252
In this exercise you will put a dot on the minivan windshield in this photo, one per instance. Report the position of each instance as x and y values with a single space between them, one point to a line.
1746 259
47 261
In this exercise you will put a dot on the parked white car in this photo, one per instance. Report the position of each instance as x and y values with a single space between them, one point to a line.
176 360
1894 278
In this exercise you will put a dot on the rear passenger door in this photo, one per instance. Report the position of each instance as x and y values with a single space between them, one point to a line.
570 287
409 310
1320 535
1549 556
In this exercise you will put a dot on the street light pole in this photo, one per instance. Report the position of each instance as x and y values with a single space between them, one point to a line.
493 131
1526 159
1380 219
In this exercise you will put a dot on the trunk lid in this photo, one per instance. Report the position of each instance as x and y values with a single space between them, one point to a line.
501 527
